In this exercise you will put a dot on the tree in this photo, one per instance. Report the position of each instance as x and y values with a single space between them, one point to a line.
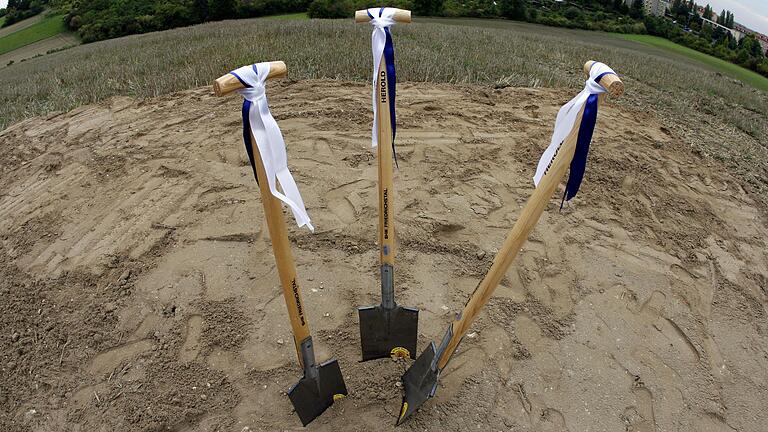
572 13
428 7
200 10
18 10
513 9
330 9
636 11
221 9
623 8
680 10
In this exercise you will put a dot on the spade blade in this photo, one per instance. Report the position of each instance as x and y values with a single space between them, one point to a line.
419 383
388 332
311 396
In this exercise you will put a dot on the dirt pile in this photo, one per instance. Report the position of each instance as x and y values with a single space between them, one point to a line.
138 290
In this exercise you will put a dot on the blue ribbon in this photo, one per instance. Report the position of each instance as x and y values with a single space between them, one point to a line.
247 126
579 161
389 62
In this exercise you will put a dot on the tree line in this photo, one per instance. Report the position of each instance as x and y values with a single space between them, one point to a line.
604 15
95 20
689 29
682 24
18 10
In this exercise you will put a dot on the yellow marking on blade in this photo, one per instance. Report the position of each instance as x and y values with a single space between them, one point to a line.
404 410
338 396
400 352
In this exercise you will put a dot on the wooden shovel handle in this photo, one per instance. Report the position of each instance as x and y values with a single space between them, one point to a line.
401 16
281 247
278 232
228 83
386 170
515 239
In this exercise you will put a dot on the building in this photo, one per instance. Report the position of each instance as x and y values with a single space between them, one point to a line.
656 7
763 39
652 7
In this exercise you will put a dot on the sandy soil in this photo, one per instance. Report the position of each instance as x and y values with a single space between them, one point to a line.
139 292
41 47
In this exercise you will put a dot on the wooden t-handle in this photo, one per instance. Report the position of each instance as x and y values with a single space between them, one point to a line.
401 16
228 83
611 82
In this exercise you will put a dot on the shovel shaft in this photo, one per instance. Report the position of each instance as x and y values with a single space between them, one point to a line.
521 230
514 241
281 246
386 170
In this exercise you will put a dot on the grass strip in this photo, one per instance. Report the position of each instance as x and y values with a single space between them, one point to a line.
747 76
49 26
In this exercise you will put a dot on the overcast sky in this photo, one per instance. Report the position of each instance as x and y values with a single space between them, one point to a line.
751 13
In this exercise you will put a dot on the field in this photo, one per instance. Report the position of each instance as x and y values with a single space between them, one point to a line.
48 27
54 43
754 79
13 28
514 54
294 16
140 293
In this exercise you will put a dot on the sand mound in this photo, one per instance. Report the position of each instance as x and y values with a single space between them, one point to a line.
139 291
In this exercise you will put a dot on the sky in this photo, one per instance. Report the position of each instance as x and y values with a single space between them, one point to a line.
751 13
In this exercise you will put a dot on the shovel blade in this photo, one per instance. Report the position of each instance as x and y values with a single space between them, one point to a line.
388 332
312 396
419 383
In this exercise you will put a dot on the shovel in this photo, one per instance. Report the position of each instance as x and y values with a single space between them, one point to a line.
387 329
421 379
322 384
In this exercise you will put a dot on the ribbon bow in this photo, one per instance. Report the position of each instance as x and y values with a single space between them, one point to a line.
258 120
566 120
381 44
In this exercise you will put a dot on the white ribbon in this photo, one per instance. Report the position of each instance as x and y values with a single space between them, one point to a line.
378 41
566 117
270 142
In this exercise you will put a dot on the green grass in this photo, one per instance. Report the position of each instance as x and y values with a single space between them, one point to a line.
49 26
747 76
293 16
2 21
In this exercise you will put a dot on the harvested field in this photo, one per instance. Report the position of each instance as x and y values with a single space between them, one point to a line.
21 25
46 28
139 291
60 41
713 114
